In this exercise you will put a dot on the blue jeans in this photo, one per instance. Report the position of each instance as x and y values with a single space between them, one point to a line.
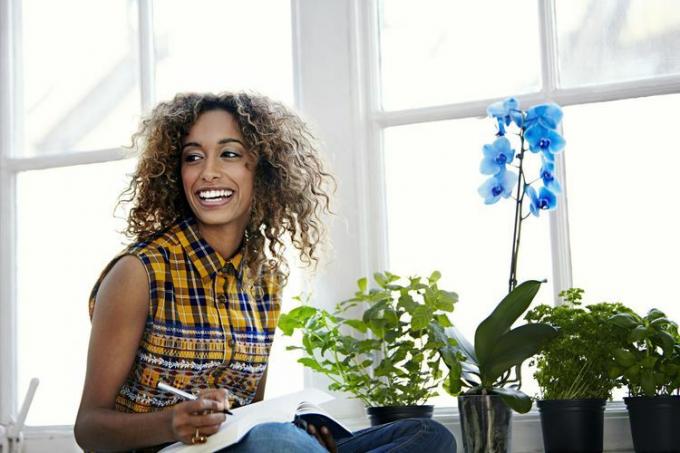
410 435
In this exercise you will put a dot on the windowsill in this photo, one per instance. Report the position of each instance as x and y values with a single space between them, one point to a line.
526 429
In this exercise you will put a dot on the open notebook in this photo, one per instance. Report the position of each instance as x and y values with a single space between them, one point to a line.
301 407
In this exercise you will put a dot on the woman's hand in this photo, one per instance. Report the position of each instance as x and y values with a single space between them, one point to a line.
193 421
324 437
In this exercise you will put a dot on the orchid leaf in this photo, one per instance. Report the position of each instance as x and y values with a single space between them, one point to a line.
503 316
518 401
462 344
516 346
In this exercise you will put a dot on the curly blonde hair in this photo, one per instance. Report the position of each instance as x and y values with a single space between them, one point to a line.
291 190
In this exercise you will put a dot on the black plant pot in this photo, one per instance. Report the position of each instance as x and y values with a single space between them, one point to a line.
385 414
655 423
572 426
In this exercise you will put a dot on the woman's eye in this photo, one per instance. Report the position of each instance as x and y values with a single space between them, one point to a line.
191 157
231 154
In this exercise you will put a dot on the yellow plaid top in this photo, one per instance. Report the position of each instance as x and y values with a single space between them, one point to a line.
206 327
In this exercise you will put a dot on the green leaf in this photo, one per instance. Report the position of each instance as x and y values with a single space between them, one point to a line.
654 313
434 277
516 346
504 315
443 320
624 358
357 324
421 317
406 302
385 368
380 279
624 320
648 383
311 363
377 326
666 341
661 322
462 344
295 319
362 283
637 334
444 301
517 400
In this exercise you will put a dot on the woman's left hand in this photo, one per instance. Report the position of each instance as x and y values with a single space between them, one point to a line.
324 437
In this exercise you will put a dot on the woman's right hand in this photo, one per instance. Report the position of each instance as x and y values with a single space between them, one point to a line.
193 419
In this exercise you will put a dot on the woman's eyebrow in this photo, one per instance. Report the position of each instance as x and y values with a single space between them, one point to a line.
221 142
187 144
230 140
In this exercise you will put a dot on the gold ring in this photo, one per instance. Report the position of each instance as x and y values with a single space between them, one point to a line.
198 438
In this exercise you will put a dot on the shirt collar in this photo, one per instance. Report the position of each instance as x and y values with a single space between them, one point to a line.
204 258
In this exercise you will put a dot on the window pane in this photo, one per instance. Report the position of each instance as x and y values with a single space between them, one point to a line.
66 235
437 52
438 221
622 174
80 77
217 45
284 374
603 41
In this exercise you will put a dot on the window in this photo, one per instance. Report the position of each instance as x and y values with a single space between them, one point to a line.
433 70
79 88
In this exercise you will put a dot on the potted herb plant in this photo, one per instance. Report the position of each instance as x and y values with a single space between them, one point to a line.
390 356
649 365
491 373
572 371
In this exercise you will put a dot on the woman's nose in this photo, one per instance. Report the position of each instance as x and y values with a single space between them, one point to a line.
210 170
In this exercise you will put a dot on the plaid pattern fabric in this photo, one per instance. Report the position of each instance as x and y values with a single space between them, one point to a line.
206 327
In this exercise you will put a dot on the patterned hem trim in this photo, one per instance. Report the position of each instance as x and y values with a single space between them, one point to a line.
239 366
146 400
180 365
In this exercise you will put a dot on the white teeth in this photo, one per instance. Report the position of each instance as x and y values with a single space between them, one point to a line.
211 194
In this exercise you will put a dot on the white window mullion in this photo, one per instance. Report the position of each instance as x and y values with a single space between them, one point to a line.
548 39
49 161
8 309
365 80
147 57
559 218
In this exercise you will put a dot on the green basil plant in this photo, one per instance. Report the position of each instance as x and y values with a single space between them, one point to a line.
389 355
649 363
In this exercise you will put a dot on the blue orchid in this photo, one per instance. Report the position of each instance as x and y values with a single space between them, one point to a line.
545 199
543 139
538 134
505 111
548 176
547 115
497 186
496 156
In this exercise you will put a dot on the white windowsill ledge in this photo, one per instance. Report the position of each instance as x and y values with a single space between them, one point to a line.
526 430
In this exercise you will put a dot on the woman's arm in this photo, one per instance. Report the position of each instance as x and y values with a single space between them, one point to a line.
117 325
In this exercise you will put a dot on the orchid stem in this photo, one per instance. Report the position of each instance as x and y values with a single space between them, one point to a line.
517 229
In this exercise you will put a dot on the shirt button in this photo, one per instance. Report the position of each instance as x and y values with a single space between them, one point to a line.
232 342
221 298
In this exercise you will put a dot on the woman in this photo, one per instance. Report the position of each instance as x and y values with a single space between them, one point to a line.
223 180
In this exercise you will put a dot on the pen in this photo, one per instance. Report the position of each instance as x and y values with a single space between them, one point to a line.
183 394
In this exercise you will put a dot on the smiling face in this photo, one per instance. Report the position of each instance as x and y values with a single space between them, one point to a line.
218 173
